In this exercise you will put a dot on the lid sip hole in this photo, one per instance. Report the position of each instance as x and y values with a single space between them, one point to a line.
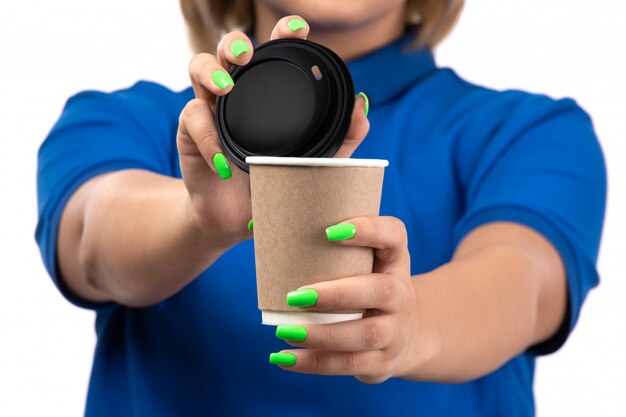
316 72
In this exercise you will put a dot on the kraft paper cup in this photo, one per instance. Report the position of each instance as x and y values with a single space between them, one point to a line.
293 201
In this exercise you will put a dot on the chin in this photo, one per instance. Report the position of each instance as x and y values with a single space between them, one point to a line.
335 13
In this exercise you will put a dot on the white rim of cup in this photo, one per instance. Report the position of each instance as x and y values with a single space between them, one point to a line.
275 318
316 162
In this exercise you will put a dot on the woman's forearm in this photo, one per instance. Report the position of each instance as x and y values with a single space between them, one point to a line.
129 237
503 292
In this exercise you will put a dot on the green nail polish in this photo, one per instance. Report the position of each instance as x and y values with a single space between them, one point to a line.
367 102
221 165
296 24
239 47
302 298
251 225
286 359
290 332
222 79
341 231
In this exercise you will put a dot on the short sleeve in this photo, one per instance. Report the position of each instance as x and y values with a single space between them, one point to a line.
98 133
541 166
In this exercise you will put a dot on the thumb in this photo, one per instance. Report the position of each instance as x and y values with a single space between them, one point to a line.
359 126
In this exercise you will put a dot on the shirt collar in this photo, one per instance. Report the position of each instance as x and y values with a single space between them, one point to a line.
387 72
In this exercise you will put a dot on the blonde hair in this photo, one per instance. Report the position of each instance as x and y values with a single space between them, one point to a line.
208 20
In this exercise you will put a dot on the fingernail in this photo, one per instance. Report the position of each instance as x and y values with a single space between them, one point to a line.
222 79
221 166
239 47
285 359
291 332
296 24
251 225
341 231
302 298
367 102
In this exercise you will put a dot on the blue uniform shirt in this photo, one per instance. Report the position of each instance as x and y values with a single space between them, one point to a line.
460 156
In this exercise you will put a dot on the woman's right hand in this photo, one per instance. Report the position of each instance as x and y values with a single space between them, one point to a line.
219 192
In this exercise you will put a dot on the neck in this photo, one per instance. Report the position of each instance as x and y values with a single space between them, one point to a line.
347 42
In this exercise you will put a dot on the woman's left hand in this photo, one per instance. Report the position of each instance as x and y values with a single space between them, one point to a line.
378 346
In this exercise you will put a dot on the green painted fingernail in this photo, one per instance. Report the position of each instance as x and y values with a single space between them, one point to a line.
251 225
221 165
367 102
222 79
285 359
296 24
239 47
341 231
302 298
290 332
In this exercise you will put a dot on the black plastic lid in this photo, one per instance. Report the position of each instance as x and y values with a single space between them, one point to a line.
294 98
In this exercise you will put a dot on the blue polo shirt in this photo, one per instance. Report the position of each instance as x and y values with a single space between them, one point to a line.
460 156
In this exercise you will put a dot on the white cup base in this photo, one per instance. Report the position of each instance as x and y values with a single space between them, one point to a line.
274 318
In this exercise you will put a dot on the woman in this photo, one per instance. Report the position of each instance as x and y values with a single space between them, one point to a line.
493 207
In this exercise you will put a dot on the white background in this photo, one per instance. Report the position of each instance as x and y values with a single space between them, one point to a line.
52 49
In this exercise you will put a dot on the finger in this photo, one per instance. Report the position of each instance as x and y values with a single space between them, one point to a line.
362 292
371 333
208 77
293 26
359 126
320 362
234 48
386 234
197 134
